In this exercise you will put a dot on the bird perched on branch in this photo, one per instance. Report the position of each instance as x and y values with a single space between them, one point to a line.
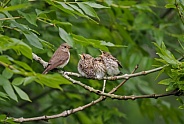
59 59
111 63
85 66
99 68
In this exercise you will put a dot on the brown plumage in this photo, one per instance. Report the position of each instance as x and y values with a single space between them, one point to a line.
99 68
111 63
85 66
59 59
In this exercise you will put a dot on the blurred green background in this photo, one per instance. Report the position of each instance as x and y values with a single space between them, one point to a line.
127 29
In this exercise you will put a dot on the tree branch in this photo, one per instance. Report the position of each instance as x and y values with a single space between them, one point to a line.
125 76
101 98
39 59
103 95
71 111
98 92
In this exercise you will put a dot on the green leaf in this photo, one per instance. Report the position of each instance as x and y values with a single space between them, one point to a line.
170 87
166 54
76 8
13 8
5 59
160 72
29 79
65 36
15 44
84 118
22 47
21 93
97 44
59 7
23 65
5 41
88 10
3 96
181 107
33 40
85 42
30 17
2 117
26 51
17 81
161 60
95 5
144 7
65 25
53 81
168 60
165 81
71 12
110 44
170 6
107 43
7 73
8 88
65 6
39 12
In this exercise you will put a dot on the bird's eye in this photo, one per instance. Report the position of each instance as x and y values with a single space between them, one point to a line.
65 46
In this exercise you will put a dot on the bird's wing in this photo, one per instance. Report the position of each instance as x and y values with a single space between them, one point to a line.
58 59
117 62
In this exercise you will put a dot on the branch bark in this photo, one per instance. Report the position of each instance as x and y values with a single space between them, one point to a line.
103 95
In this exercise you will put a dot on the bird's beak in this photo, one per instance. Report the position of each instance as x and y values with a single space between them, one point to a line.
69 47
80 55
102 52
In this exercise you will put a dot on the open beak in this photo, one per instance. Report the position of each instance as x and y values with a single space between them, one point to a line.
82 57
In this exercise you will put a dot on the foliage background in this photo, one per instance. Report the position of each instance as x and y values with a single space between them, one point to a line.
125 28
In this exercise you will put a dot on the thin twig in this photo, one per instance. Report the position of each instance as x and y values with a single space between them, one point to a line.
125 76
66 112
39 59
123 82
103 88
101 98
12 18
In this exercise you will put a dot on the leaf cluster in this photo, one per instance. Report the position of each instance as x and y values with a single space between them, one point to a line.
124 28
173 68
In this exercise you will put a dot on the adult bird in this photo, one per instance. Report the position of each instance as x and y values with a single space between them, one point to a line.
59 59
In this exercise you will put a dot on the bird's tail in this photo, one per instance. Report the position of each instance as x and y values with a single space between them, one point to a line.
45 71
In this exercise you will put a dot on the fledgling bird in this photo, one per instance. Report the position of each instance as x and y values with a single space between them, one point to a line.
111 63
99 68
85 66
59 59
